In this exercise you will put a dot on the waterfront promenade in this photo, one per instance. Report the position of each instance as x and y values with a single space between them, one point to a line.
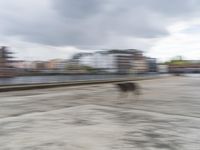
93 117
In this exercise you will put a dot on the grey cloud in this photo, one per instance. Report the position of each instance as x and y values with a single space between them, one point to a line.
95 23
194 29
76 9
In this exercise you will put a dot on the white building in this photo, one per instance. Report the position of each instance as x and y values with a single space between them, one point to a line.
24 65
114 61
99 60
162 68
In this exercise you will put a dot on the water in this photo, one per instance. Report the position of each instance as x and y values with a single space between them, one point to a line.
197 75
55 78
65 78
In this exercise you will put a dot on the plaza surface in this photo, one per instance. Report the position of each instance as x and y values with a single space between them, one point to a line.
165 117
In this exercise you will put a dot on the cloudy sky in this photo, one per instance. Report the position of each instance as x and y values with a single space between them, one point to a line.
45 29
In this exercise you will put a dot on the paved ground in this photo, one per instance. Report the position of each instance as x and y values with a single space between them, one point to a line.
166 117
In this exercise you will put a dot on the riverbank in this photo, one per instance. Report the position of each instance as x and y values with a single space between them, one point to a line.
61 78
21 87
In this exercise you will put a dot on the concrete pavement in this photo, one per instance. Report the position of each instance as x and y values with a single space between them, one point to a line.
93 117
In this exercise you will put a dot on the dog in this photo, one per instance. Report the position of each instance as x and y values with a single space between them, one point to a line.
126 87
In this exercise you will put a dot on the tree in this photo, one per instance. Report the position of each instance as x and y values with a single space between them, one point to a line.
178 60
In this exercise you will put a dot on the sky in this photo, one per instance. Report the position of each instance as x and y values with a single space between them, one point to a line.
47 29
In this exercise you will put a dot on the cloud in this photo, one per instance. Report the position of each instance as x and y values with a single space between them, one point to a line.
93 24
31 51
183 41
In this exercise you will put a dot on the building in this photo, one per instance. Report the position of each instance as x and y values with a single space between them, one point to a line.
122 60
163 68
24 65
152 64
140 66
184 66
6 69
39 66
115 61
56 64
87 59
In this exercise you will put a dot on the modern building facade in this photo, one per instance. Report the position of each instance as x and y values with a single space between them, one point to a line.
116 61
152 64
6 69
184 68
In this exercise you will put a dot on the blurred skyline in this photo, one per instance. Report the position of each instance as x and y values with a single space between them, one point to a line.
47 29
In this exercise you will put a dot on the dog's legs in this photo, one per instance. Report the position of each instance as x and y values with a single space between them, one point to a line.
138 90
137 93
126 95
122 96
137 96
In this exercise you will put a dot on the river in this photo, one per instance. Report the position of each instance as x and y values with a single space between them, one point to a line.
65 78
55 78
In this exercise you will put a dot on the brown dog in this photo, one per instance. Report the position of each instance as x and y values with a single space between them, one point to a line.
126 87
